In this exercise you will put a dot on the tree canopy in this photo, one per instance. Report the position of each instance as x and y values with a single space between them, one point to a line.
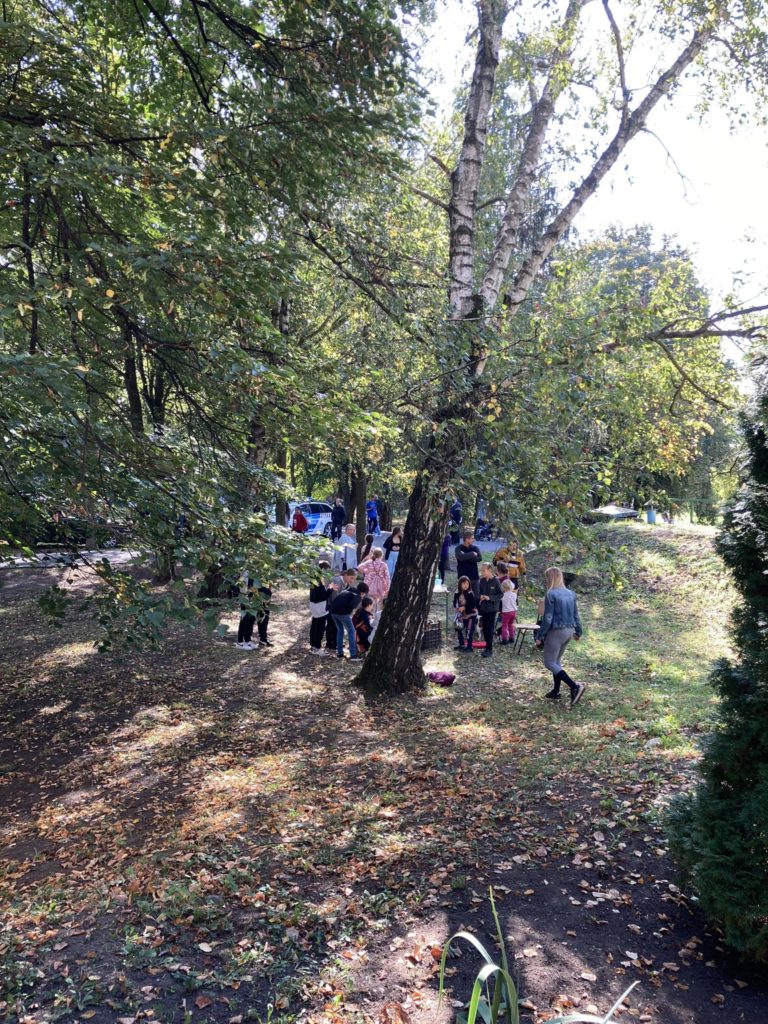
239 262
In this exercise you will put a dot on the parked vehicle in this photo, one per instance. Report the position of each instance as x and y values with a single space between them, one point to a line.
612 513
317 514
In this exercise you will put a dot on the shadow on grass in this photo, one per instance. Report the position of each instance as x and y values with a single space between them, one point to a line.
240 828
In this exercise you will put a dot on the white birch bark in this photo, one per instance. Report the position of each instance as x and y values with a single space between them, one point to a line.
528 165
631 125
465 179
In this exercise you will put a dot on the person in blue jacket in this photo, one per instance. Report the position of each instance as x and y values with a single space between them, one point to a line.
372 515
559 625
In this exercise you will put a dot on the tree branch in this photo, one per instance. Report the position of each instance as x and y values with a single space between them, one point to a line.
528 164
588 186
625 93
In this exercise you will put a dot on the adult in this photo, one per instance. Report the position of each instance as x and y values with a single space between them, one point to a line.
299 522
456 516
468 558
560 623
488 603
338 518
341 608
391 548
512 554
372 515
349 546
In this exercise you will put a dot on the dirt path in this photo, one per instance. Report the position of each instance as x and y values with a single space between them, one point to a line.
202 833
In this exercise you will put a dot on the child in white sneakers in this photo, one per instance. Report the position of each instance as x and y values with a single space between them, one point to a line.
319 594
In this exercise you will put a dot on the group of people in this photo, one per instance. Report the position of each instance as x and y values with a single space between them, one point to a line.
348 554
345 609
341 607
372 517
487 593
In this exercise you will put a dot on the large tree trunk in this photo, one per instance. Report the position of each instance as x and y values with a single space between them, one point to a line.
361 491
393 664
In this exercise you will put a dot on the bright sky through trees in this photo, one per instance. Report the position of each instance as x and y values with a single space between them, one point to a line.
697 181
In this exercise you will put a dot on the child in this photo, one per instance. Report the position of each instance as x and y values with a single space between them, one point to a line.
376 575
318 608
502 573
508 611
247 618
376 619
465 603
263 615
341 607
363 625
489 601
442 564
365 551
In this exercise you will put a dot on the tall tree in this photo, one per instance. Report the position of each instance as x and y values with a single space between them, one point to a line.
156 159
487 287
720 831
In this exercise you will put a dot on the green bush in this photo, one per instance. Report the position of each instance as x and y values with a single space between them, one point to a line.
719 833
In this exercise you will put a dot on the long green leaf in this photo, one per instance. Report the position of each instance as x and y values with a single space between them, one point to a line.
473 942
486 972
511 1010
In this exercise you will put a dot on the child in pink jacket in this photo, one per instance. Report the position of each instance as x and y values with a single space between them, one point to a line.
376 575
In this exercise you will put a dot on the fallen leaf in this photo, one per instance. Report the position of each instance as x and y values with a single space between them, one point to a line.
202 1001
395 1013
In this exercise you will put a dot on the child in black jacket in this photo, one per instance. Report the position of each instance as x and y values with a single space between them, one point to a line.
363 622
319 595
465 603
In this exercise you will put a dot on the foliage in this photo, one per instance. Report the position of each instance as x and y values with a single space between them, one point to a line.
720 831
503 1003
157 162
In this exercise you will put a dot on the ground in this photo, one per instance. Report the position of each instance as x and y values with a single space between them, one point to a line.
208 834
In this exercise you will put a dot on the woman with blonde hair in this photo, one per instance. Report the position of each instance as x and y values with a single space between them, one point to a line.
560 623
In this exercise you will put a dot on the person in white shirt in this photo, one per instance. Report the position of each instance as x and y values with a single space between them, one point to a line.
508 611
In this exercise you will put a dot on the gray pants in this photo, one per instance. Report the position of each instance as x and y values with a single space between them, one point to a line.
555 643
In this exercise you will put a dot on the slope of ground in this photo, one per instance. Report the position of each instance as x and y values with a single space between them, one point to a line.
205 834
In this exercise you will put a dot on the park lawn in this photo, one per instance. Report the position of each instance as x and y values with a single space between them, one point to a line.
204 834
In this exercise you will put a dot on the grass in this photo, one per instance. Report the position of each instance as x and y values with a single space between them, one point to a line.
245 830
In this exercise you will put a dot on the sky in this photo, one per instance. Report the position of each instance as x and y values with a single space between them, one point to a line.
698 182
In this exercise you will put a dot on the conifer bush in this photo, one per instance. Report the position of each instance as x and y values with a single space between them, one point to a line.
719 833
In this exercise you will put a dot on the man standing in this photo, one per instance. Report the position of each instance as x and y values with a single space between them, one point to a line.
299 523
338 518
372 514
468 558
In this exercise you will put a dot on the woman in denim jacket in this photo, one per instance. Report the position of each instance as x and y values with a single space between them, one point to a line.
560 623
